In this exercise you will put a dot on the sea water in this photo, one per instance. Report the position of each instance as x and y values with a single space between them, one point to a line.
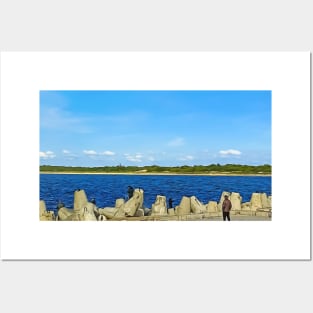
105 189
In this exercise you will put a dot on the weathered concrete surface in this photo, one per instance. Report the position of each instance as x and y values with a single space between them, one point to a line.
196 206
184 207
140 212
64 213
134 203
82 209
235 200
42 207
122 208
85 214
108 212
246 206
171 211
88 212
266 202
255 201
212 207
45 215
159 206
119 202
80 200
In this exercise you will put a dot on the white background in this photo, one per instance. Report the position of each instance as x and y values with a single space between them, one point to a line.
182 25
286 74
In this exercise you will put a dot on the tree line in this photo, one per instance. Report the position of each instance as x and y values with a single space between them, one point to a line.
185 169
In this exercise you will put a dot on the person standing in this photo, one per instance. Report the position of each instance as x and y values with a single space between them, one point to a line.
170 204
130 192
226 207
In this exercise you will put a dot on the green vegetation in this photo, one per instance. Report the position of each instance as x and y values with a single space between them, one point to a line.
232 169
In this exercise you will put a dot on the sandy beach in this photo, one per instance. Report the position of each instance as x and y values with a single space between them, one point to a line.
164 174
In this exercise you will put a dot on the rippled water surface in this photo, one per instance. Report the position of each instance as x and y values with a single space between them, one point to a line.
105 189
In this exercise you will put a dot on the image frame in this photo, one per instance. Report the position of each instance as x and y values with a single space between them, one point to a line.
42 71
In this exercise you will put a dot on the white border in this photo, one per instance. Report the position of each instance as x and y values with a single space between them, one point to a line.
23 74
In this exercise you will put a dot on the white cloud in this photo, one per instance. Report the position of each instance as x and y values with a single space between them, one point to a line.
176 142
187 158
47 155
108 153
229 152
90 152
134 158
68 155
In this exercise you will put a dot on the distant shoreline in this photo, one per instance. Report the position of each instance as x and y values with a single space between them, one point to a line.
161 174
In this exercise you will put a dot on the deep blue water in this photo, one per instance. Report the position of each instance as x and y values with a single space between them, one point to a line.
105 189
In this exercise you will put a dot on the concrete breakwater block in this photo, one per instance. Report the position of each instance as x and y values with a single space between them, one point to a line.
235 200
85 214
139 212
64 213
196 206
117 211
88 212
255 201
264 200
134 203
190 208
80 200
184 207
159 206
212 207
82 211
119 202
246 206
42 207
171 212
108 212
45 215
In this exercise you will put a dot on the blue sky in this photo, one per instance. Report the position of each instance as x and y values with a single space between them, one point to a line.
170 128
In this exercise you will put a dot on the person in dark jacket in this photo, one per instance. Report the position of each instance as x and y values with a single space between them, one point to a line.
226 207
130 192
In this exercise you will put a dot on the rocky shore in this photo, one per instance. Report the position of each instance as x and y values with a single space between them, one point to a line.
190 208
